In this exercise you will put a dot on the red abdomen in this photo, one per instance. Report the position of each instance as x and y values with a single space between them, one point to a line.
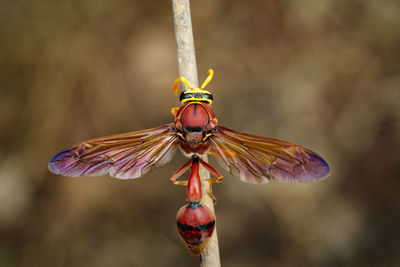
195 224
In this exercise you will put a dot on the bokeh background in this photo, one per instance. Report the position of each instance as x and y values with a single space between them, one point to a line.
323 74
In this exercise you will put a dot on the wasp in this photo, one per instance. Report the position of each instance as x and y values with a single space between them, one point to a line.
252 158
196 131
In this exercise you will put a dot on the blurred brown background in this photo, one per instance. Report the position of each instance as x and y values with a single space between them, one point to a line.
323 74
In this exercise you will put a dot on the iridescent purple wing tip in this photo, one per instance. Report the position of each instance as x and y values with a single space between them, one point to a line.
124 156
307 167
257 159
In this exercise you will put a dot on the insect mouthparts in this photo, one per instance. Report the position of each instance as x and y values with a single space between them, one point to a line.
194 129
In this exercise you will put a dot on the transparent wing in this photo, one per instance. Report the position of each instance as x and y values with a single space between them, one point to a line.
124 156
257 159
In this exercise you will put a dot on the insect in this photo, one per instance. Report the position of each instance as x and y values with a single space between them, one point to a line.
195 222
254 159
195 130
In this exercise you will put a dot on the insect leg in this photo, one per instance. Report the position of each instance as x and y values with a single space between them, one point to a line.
174 111
211 180
179 173
212 170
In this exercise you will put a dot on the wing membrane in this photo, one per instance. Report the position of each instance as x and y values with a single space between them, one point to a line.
257 159
124 156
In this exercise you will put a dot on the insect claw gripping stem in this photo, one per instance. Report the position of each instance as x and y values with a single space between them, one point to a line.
212 181
184 183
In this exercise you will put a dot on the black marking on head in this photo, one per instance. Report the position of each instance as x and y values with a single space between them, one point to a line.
205 226
194 205
184 227
195 110
194 129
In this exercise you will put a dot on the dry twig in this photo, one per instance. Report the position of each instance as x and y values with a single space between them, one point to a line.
188 69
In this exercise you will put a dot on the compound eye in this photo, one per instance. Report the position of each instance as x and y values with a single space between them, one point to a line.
185 96
209 96
196 96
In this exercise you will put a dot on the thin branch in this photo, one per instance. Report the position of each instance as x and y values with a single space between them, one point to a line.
187 68
184 41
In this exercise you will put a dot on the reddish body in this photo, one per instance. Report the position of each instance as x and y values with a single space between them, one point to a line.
254 159
193 191
195 224
193 120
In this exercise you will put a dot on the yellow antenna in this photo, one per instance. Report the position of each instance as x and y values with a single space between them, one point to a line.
176 84
210 74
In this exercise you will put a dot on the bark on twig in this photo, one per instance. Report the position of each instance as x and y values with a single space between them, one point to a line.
188 69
